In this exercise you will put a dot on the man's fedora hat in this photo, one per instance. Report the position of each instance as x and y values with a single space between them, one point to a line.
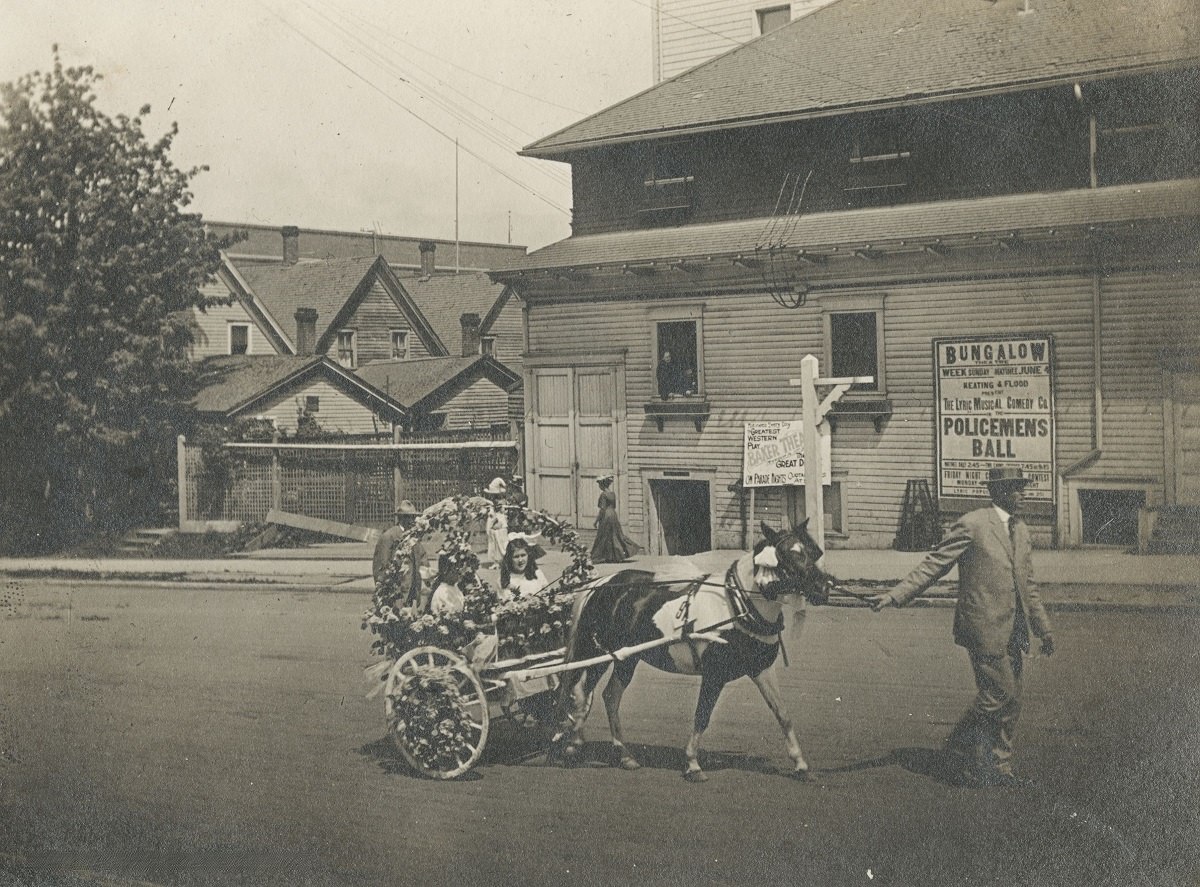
496 488
1007 476
406 507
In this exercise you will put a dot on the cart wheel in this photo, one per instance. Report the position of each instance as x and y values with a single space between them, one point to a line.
437 712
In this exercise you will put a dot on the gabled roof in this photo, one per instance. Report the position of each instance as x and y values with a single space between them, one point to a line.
444 298
230 384
861 54
860 227
422 385
333 287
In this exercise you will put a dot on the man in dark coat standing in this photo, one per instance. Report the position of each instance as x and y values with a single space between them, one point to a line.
385 550
998 607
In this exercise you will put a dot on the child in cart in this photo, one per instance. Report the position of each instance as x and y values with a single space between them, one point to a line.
520 575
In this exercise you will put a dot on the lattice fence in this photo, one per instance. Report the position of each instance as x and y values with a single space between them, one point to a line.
348 483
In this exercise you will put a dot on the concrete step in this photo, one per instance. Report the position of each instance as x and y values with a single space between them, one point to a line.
143 540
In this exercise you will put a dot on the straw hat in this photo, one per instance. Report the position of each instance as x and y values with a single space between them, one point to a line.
605 479
496 488
406 507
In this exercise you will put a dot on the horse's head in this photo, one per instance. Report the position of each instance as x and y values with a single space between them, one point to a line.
785 562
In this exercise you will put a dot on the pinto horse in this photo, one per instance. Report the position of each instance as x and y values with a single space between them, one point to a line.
721 630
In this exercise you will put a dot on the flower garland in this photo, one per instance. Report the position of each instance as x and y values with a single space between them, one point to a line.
536 620
429 715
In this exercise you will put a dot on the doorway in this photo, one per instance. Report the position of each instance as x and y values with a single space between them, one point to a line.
684 516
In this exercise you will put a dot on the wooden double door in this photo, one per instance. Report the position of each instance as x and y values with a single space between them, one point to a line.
573 437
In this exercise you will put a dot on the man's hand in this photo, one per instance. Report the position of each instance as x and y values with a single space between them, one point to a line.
879 601
1048 645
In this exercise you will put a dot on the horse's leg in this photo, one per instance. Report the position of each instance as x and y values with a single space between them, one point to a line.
570 733
621 675
710 690
767 682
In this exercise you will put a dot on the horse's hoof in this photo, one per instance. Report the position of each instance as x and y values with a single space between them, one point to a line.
695 776
804 775
628 762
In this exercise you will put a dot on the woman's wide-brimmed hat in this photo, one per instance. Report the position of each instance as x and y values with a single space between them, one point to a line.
496 488
406 507
1007 476
605 479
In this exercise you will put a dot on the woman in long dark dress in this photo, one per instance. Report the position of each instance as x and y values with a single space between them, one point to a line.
612 545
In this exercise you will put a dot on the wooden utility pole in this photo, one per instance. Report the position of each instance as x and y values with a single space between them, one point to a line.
816 429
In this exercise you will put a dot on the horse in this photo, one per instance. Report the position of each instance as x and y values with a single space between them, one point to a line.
719 630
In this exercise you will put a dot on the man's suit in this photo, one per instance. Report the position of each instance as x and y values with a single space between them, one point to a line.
998 606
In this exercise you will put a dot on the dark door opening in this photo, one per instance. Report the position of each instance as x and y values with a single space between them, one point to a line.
1110 517
683 515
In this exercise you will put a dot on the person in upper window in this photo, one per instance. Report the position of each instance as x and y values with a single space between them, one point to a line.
669 378
520 575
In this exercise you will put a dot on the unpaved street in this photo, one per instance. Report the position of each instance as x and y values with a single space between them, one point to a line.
183 736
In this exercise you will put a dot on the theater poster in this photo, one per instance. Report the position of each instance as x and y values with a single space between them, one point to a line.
995 406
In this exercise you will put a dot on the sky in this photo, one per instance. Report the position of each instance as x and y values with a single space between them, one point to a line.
343 114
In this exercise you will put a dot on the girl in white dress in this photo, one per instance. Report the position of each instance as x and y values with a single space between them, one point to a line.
520 575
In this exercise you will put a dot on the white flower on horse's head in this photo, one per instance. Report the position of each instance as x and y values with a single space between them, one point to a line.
767 557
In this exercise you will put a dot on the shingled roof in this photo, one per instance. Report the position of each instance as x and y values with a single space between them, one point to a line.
862 54
229 383
414 383
444 298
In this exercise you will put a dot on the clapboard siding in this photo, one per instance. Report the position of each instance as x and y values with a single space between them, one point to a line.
337 412
509 330
212 327
1142 314
373 321
752 348
693 31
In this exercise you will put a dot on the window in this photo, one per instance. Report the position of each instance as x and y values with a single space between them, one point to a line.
400 344
879 162
345 348
831 500
487 345
667 198
1146 128
1110 517
312 404
677 367
772 18
239 338
854 343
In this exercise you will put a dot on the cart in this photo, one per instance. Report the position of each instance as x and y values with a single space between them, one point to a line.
440 706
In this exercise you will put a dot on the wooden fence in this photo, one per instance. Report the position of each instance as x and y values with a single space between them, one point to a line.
350 483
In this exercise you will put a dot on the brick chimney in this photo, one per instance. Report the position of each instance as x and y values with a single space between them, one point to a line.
428 250
470 333
306 331
291 244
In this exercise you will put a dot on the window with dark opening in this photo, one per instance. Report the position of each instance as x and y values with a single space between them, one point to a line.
239 338
667 195
312 404
345 348
399 344
854 347
1110 517
773 18
677 370
880 162
487 345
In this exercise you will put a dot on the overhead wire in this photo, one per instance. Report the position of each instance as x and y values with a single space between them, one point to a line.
462 115
399 104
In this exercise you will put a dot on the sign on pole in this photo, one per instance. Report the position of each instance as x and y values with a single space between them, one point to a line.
773 455
995 406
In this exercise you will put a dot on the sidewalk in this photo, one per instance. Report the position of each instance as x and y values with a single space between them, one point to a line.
1067 578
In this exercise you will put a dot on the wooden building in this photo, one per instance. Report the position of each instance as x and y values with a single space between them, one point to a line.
990 208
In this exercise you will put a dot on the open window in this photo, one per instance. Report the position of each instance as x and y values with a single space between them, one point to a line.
853 328
677 361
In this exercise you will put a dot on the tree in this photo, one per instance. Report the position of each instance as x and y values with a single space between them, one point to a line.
100 268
